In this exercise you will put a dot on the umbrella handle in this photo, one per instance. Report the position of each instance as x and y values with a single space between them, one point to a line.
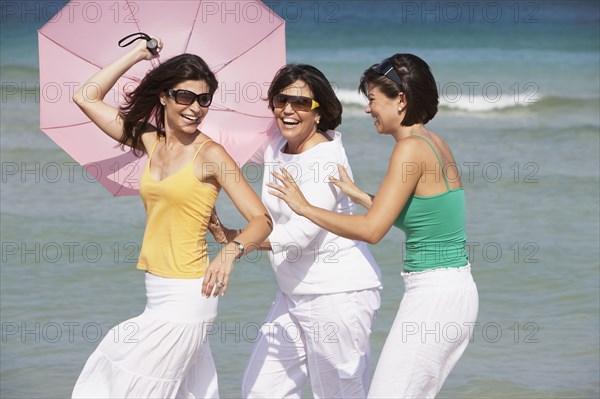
151 44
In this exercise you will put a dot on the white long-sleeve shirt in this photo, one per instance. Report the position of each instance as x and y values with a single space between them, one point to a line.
306 258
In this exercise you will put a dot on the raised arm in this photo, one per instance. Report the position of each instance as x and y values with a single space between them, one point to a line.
259 226
91 94
399 183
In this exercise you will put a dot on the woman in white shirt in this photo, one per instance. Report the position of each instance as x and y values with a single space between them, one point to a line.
320 322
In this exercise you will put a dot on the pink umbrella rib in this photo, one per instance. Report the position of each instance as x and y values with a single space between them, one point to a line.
65 126
225 64
219 68
66 49
132 16
220 108
187 42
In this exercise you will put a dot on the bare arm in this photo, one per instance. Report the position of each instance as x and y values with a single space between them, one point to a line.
90 95
224 235
399 183
259 226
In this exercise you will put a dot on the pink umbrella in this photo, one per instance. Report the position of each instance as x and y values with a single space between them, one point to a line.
242 41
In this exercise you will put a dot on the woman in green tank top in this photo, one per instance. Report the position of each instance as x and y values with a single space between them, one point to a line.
422 194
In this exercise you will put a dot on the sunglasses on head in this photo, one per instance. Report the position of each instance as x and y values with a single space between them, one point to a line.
186 97
386 68
298 103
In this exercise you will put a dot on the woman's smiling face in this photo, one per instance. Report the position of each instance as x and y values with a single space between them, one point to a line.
181 117
383 110
296 126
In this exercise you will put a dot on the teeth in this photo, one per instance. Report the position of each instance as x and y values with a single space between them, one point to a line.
190 118
290 121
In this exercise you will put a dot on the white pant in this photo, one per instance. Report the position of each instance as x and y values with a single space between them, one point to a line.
430 333
324 336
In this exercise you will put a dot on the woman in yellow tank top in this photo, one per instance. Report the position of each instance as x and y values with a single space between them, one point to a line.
169 355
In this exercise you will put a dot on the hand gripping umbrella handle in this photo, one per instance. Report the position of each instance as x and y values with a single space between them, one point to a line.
151 44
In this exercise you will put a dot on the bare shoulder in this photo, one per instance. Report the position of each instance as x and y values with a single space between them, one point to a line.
214 153
438 141
410 142
414 146
214 162
409 148
149 138
211 150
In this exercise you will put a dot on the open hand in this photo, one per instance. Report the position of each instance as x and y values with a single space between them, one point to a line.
217 276
288 191
347 185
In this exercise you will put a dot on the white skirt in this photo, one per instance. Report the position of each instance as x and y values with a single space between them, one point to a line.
163 353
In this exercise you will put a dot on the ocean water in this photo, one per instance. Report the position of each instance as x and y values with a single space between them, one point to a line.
520 107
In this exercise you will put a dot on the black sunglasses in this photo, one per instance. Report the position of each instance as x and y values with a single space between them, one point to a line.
186 97
298 103
386 68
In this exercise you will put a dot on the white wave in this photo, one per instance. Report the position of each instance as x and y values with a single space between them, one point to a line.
463 103
351 97
485 104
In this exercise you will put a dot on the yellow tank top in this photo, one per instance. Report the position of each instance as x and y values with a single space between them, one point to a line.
177 212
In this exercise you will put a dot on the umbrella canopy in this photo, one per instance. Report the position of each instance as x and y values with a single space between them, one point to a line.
243 42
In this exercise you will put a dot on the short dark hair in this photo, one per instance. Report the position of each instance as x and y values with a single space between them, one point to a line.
329 108
143 104
416 82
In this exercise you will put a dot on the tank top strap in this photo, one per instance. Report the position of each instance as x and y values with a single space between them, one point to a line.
153 148
438 158
199 148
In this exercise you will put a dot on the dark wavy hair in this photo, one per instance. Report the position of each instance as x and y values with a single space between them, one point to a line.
143 103
416 82
329 108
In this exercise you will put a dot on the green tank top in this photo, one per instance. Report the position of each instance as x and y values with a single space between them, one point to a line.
435 228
